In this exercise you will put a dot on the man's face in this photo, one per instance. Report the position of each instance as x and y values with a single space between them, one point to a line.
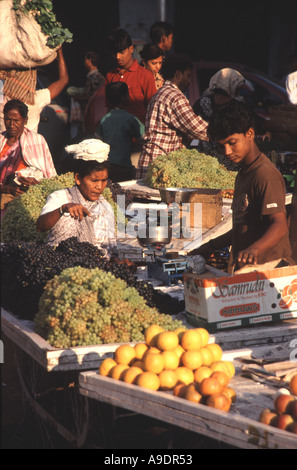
237 147
184 79
125 58
14 123
166 42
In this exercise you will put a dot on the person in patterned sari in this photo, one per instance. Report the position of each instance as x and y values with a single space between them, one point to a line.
21 150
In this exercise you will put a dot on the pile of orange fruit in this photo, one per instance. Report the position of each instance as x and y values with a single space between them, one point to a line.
182 361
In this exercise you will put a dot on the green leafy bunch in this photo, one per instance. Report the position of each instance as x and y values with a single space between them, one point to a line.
186 168
46 18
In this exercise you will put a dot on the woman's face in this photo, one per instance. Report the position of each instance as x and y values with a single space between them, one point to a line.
14 123
92 186
154 65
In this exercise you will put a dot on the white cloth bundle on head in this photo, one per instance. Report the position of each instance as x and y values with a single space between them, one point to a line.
89 149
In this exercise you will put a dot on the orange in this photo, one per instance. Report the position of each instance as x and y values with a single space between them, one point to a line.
221 377
209 386
207 356
180 390
293 385
220 365
167 341
219 401
106 365
191 340
148 380
124 354
191 359
171 360
153 362
216 350
137 363
192 394
231 368
167 379
152 350
184 375
130 375
140 349
179 350
180 331
204 335
230 392
117 372
151 332
202 373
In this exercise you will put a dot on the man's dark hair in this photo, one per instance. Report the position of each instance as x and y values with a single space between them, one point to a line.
16 104
119 40
233 118
92 56
116 93
159 29
173 63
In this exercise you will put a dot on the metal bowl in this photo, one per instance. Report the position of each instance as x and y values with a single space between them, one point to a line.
178 195
156 235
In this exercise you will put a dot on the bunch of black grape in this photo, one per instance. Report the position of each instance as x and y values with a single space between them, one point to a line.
26 267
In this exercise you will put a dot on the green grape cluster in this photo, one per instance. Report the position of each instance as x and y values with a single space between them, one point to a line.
83 306
187 168
19 220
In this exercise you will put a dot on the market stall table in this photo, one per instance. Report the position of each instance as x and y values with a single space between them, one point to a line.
239 427
47 373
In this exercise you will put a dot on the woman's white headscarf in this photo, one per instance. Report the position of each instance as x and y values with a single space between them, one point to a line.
90 149
228 80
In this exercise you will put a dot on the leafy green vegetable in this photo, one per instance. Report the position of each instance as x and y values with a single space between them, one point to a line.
187 168
46 18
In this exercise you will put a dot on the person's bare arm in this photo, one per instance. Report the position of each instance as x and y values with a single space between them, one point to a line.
278 228
56 87
47 221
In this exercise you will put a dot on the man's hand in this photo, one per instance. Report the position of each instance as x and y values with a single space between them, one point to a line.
248 256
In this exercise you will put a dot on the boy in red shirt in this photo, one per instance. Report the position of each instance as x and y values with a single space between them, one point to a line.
140 81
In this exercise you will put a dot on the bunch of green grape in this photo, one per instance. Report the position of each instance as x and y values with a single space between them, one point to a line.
84 306
19 220
186 168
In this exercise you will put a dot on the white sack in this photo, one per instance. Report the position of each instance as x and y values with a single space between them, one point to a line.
22 42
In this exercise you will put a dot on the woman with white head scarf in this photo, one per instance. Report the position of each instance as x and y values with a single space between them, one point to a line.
223 87
82 211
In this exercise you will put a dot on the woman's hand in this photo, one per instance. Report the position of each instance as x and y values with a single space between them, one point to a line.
76 211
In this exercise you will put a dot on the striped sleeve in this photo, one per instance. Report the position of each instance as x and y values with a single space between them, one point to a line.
36 153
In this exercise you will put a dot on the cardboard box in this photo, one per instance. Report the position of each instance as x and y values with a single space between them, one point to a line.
212 207
218 303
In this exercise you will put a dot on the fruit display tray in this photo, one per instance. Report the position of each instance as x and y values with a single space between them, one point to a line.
21 333
239 427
